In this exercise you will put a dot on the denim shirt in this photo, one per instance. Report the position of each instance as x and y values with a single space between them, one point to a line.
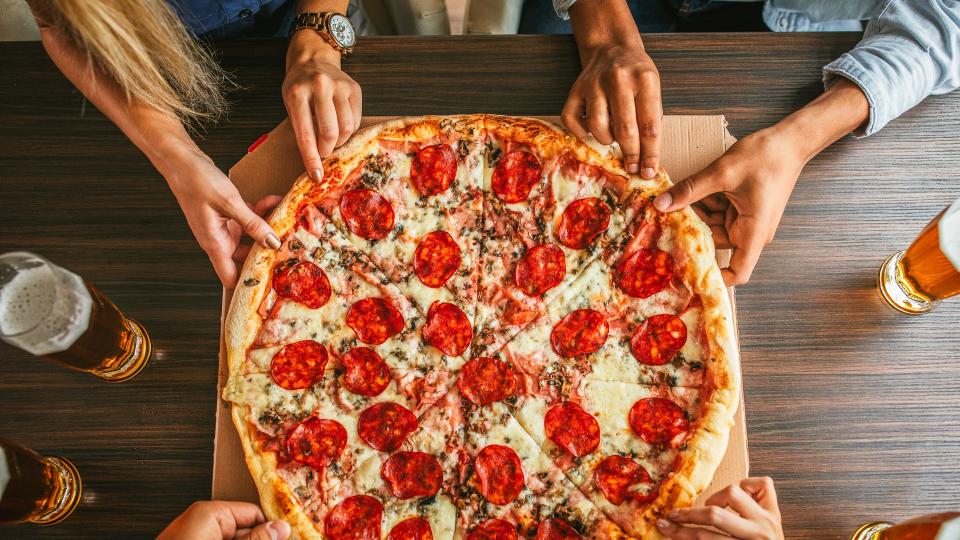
248 18
910 48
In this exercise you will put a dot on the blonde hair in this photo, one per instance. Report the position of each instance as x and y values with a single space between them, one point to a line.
146 49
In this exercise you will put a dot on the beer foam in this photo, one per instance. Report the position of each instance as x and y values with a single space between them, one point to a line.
4 472
44 309
949 231
949 530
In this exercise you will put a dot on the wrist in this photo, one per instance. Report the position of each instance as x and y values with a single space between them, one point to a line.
306 45
601 25
842 109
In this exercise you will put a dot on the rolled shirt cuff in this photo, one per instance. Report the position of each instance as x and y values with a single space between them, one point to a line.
894 73
562 7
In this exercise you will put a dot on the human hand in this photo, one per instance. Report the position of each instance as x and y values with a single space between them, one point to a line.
217 215
224 520
741 196
323 102
746 512
617 98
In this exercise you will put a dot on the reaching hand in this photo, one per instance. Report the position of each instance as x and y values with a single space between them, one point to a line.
323 102
741 196
617 98
746 512
224 520
218 216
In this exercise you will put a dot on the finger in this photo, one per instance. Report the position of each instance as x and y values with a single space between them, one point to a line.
745 254
649 117
233 515
328 128
225 267
344 117
273 530
573 115
738 500
598 119
240 254
717 202
715 516
356 107
301 120
266 204
250 222
678 532
688 191
625 129
763 491
720 238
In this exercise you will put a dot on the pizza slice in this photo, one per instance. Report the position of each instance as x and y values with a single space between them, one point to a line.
410 199
548 212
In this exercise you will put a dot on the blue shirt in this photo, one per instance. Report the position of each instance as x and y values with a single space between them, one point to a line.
248 18
910 48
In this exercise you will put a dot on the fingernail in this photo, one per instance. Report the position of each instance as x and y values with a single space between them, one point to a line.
663 201
664 525
278 529
674 513
648 172
633 168
272 241
316 174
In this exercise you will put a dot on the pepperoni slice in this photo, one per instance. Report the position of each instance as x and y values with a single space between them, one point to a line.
494 529
582 221
384 426
515 175
355 518
433 169
499 474
436 259
556 529
540 269
412 474
367 374
644 272
621 478
302 282
582 331
316 442
367 213
484 380
572 428
659 421
374 320
415 528
658 339
447 329
298 365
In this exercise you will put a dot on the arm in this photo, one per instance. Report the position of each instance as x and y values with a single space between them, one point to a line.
748 510
617 95
223 520
758 173
323 102
213 207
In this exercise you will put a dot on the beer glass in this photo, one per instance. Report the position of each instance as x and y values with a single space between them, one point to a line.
35 489
916 279
942 526
51 312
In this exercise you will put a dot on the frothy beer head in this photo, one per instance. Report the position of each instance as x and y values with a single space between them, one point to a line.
950 234
43 308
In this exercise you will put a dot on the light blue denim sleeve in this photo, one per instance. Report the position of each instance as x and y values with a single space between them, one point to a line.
563 7
909 51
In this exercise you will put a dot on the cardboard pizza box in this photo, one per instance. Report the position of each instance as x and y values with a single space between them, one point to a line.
273 163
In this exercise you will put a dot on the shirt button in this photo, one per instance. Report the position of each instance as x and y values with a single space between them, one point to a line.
245 14
783 22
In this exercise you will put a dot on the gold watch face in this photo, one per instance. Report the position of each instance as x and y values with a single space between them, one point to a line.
342 31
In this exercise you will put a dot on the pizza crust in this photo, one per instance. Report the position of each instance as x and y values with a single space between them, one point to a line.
702 453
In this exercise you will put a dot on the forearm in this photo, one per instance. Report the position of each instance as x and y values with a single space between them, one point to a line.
160 136
841 109
307 44
602 23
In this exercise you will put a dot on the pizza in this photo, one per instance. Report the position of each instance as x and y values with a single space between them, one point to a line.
479 327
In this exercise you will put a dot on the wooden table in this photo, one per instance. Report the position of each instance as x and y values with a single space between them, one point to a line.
851 408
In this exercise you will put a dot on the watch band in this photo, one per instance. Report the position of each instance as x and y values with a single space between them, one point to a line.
319 22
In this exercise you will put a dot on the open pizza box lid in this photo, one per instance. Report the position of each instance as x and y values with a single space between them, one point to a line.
273 163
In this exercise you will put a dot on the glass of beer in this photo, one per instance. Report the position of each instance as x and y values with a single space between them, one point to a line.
915 280
51 312
942 526
36 489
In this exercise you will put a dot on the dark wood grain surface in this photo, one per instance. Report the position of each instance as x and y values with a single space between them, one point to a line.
852 408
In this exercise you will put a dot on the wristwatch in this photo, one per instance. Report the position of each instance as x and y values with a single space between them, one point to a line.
334 27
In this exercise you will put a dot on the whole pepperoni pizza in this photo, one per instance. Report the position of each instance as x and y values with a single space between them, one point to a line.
479 327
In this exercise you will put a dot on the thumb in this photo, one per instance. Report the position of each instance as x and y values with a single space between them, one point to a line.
688 191
252 224
271 530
